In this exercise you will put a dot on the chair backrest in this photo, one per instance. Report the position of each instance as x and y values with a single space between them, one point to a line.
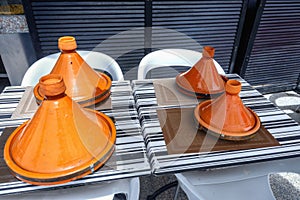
170 58
96 60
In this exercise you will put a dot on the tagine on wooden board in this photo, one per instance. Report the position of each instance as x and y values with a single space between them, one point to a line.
203 79
83 84
62 142
227 117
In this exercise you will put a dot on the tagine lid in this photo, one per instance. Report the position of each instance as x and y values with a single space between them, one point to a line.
62 141
203 78
84 85
227 116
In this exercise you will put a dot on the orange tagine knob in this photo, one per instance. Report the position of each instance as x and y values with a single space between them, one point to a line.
52 85
83 84
227 116
67 43
203 78
62 142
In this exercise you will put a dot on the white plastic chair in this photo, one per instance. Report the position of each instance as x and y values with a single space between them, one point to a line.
247 182
99 191
241 182
96 60
170 57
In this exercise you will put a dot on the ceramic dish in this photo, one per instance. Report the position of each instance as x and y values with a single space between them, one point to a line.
58 176
83 84
227 135
201 94
203 79
99 96
62 141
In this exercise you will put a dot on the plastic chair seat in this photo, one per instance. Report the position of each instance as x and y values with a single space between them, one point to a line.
248 182
99 191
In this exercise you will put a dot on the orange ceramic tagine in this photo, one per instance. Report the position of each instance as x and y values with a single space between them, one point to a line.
203 79
84 85
62 142
227 116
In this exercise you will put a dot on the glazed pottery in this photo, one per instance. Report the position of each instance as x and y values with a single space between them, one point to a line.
203 79
227 116
84 85
62 142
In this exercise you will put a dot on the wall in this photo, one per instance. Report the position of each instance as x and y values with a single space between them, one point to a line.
16 49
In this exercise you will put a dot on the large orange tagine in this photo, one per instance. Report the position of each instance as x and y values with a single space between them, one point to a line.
203 79
227 116
84 85
62 142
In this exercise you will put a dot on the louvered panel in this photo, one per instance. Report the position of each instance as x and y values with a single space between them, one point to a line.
200 23
104 26
275 55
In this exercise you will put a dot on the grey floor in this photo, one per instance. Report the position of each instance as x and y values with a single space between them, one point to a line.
150 184
285 186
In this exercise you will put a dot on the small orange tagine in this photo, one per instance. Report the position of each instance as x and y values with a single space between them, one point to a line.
203 79
84 85
62 142
227 116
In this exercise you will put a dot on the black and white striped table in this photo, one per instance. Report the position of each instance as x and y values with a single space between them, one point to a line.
129 158
280 125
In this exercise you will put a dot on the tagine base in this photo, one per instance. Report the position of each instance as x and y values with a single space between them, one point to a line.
197 95
232 136
99 96
63 176
96 100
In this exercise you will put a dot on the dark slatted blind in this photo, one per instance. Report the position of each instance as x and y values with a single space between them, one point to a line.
117 27
275 56
191 24
106 26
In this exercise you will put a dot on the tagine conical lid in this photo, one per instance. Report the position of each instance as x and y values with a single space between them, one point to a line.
62 141
227 115
203 78
84 85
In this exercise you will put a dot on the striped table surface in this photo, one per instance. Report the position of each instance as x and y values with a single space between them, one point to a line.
128 160
280 125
